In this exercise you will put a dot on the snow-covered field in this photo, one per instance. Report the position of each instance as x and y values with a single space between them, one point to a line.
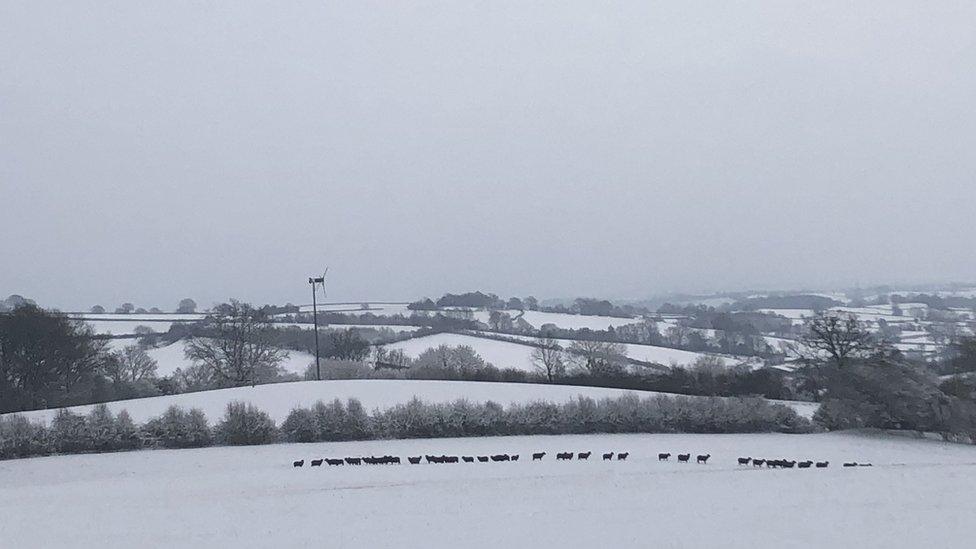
917 494
396 328
127 327
161 317
502 354
566 321
278 399
170 357
647 353
375 307
574 322
506 354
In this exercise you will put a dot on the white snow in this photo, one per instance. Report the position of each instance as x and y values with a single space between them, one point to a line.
127 327
165 317
396 328
376 308
574 322
647 353
279 398
502 354
170 357
505 354
918 494
537 319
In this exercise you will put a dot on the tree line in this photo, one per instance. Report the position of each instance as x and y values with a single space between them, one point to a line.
244 424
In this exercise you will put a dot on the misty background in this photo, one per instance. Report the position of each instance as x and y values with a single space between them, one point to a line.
153 151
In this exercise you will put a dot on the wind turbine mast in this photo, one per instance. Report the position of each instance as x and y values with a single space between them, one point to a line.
315 319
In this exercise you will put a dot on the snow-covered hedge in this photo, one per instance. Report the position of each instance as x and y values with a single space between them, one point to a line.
243 423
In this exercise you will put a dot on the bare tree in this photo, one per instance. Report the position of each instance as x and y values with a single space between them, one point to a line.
131 363
462 361
394 359
598 357
238 349
500 321
677 335
839 337
946 337
549 358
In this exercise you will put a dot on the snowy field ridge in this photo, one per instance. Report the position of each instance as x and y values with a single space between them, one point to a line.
278 399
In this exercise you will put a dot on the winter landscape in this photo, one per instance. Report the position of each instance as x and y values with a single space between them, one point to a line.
487 274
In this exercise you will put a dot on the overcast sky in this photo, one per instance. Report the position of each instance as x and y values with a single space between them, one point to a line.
155 150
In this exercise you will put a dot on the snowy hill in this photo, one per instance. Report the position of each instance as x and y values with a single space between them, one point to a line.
279 398
918 494
506 354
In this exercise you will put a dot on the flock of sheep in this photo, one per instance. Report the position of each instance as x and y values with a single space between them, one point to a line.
415 460
790 463
562 456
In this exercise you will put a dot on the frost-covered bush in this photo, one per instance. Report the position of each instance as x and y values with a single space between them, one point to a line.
330 420
177 428
126 432
102 429
21 438
300 426
69 433
245 424
357 422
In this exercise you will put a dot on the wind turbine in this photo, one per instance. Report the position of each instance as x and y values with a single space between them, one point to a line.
315 317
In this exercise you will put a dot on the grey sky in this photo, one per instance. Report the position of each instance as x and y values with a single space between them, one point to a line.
155 150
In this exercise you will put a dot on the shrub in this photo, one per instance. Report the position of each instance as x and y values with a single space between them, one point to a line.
300 426
69 433
177 428
126 432
103 429
21 438
329 420
244 424
357 424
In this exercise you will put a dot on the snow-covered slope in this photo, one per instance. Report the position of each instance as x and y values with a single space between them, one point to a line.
170 357
917 494
502 354
396 328
127 327
279 399
506 354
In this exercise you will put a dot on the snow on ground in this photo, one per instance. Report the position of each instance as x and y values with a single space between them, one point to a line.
918 494
376 308
869 314
127 327
308 326
646 353
574 322
170 357
162 317
796 316
537 319
505 354
668 356
279 398
502 354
